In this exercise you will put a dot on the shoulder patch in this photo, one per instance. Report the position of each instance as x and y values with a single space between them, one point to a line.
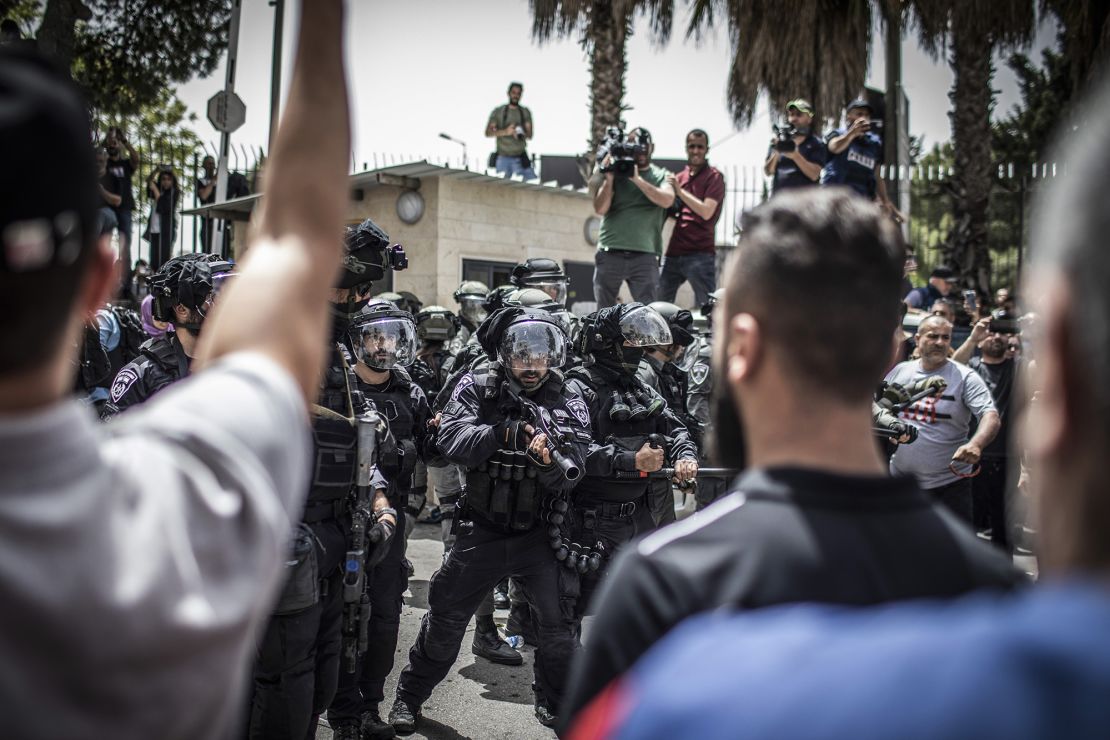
125 378
699 372
465 382
581 412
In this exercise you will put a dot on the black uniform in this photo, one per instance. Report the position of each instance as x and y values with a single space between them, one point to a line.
786 535
297 665
608 510
402 403
500 532
161 361
699 387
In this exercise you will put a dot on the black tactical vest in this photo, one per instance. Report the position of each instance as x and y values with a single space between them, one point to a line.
334 432
503 490
394 403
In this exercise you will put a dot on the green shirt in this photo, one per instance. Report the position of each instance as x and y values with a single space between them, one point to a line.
633 222
502 116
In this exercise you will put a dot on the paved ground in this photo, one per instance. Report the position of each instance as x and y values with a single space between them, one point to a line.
477 700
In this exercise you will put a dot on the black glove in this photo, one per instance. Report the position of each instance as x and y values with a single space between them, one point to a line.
379 536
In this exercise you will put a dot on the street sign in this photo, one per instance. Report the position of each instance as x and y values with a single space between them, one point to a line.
226 111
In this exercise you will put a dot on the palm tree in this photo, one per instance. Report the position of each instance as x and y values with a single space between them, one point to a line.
970 31
1085 37
816 49
603 28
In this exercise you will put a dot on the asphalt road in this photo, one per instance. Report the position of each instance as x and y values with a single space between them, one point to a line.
478 699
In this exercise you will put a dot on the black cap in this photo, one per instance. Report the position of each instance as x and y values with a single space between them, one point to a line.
860 103
44 134
944 273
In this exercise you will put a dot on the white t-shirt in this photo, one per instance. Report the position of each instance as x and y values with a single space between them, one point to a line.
139 560
942 423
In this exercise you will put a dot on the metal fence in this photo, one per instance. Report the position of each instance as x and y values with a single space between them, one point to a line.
929 210
186 164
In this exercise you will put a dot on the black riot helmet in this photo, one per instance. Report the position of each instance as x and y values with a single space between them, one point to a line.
191 280
384 337
616 336
544 274
679 320
436 324
536 298
369 255
529 343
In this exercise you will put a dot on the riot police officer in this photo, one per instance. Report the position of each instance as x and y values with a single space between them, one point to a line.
470 295
384 341
521 438
634 431
183 289
660 371
298 662
543 274
699 389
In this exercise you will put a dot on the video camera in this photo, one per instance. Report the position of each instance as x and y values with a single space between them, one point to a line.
1004 323
622 153
396 258
784 138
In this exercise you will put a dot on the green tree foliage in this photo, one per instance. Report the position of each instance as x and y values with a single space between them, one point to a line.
126 53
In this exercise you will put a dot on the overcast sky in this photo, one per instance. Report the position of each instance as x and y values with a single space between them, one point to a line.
421 67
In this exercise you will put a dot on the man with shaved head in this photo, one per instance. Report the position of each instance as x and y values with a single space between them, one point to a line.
943 459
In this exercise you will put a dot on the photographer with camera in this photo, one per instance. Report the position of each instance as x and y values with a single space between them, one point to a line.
692 252
796 155
511 125
632 199
161 229
855 154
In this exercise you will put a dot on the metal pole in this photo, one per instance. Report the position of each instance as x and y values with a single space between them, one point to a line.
219 241
275 66
892 125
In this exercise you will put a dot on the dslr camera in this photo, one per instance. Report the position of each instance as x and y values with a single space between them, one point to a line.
784 138
622 153
1004 323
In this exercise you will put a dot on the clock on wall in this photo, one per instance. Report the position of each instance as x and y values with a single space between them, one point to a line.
590 230
410 206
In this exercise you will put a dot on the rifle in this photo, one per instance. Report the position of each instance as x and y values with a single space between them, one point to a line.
557 444
356 601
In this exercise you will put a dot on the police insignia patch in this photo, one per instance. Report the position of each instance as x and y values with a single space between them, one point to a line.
699 372
466 381
124 380
578 407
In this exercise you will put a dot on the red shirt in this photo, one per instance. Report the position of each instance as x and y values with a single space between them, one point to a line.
692 233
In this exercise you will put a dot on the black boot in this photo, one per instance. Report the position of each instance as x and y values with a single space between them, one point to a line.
346 732
403 717
373 728
489 645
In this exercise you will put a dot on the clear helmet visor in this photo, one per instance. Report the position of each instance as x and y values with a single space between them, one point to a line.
532 346
644 327
219 283
556 288
471 308
385 343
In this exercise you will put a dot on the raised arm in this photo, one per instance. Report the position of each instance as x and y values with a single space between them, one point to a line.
295 253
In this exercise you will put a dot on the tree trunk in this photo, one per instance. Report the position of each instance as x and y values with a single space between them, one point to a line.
972 99
607 65
57 34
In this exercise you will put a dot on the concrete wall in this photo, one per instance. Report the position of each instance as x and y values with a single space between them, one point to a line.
481 220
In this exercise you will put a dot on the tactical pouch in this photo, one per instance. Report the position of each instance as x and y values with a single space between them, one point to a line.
336 455
527 504
501 502
302 574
